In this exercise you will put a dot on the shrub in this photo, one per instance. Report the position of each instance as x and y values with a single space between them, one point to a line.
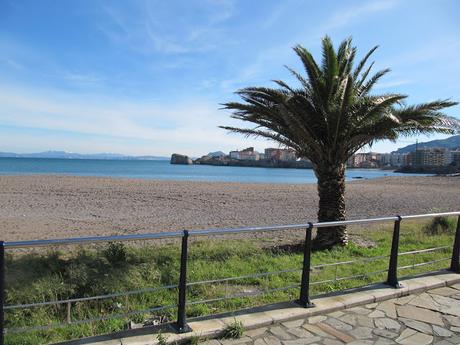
116 253
234 330
440 225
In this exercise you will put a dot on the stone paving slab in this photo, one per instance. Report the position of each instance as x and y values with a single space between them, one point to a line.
374 315
425 317
397 321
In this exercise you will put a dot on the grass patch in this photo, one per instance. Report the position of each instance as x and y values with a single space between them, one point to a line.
234 330
58 275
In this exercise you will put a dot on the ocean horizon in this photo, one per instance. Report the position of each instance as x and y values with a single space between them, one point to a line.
163 170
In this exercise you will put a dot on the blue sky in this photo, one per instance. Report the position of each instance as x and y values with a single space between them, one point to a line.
148 77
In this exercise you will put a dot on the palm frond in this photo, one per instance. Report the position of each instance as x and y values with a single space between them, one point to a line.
363 62
367 86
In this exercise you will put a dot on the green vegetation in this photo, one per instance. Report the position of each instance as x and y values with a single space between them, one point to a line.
162 340
440 225
234 330
82 272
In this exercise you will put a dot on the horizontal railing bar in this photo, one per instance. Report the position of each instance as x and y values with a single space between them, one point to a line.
255 275
91 239
218 231
430 215
83 299
135 237
244 294
349 277
423 264
354 221
79 322
351 261
424 250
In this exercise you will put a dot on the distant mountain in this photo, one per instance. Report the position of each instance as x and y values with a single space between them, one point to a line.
449 143
216 154
72 155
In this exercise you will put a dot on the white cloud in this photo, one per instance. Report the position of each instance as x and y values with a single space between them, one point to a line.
189 127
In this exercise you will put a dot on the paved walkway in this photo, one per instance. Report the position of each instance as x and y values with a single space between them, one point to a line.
432 317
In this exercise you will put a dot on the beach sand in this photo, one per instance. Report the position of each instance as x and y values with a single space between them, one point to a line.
40 206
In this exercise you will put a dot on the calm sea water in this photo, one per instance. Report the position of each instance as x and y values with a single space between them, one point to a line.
162 170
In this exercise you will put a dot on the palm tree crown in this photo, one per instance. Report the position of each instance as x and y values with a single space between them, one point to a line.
334 113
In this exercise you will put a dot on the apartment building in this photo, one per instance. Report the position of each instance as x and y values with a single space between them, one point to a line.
431 157
280 154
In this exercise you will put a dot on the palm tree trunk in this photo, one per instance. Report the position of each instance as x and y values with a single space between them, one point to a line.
331 190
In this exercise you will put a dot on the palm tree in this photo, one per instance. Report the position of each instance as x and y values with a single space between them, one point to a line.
332 115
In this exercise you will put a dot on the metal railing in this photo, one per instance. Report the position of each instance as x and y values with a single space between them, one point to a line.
181 323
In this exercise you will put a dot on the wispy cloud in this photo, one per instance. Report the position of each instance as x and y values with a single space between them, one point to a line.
164 44
83 79
154 27
12 63
393 83
349 14
190 128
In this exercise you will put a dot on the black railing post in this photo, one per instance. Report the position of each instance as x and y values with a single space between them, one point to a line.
304 299
181 324
392 279
2 291
454 264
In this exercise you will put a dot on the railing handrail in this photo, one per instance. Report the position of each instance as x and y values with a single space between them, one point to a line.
208 232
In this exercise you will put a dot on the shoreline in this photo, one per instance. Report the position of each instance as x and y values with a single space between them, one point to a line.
152 179
57 206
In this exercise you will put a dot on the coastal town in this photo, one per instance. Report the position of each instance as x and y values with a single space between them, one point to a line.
423 159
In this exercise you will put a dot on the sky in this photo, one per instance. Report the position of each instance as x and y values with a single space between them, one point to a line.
147 77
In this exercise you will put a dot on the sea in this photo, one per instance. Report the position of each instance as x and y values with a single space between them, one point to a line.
163 170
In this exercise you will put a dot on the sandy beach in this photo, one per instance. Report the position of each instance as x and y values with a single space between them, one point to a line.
42 206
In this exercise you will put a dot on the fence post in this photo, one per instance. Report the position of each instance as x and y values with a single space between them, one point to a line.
454 264
304 299
181 324
392 279
2 291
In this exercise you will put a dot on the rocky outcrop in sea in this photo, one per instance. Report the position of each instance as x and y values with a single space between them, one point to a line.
180 159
